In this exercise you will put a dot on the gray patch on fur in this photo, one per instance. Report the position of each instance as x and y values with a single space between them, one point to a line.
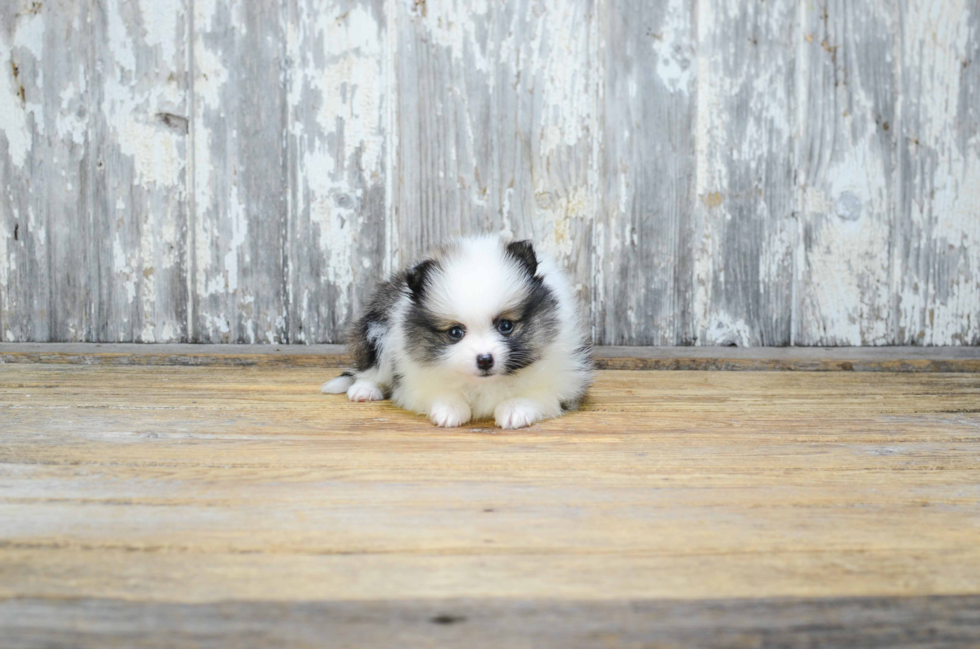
534 330
426 341
366 335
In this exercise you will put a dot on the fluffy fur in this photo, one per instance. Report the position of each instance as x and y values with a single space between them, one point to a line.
481 329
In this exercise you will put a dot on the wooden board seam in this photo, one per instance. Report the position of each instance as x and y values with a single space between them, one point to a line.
810 359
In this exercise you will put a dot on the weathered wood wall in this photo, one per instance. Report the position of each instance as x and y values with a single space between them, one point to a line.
712 171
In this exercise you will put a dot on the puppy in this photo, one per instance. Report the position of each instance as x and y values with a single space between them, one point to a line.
482 328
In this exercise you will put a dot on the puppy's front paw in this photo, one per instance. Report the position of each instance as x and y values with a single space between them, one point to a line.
517 413
364 391
449 415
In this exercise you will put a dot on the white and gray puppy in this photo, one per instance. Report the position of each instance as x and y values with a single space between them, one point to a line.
482 328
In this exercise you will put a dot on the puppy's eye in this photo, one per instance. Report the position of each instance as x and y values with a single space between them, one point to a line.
505 327
456 332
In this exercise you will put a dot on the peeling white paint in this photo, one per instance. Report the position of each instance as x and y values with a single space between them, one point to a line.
566 89
120 40
938 303
160 23
29 33
742 128
71 122
154 152
6 266
334 224
351 84
348 91
554 216
710 178
239 231
674 48
169 333
124 268
843 287
13 117
507 214
217 323
723 329
456 26
520 112
149 243
210 76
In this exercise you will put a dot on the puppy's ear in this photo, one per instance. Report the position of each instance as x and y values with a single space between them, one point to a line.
523 252
418 278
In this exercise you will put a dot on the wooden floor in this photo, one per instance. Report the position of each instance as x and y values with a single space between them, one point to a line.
237 506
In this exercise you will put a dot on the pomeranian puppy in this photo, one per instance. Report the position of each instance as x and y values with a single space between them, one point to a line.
482 328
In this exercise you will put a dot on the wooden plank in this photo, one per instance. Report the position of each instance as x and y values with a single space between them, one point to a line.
936 237
799 359
494 124
805 359
744 193
847 172
100 214
21 249
808 507
241 186
747 197
139 185
862 622
338 102
175 354
644 243
49 287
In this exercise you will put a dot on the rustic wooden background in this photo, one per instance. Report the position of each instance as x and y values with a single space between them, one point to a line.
750 172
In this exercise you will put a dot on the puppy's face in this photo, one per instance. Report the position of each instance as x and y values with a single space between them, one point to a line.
478 310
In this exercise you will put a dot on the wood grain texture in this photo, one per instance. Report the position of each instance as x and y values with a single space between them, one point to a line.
644 243
240 291
713 503
712 173
795 359
847 172
855 622
746 193
45 198
290 177
156 188
936 235
93 234
338 94
494 127
138 159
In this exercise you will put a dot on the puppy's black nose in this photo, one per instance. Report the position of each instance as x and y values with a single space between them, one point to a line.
484 361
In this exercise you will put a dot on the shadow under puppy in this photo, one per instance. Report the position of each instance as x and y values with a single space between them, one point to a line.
482 328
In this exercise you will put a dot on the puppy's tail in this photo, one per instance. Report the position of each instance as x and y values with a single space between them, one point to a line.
338 385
